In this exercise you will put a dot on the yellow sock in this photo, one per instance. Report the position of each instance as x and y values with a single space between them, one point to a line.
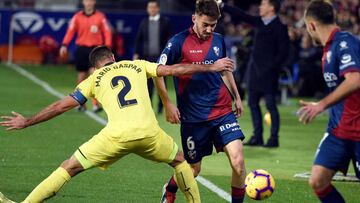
48 187
185 180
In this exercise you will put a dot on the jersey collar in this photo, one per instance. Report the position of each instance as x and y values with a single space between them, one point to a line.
332 36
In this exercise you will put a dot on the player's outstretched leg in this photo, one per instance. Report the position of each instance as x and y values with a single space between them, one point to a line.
170 188
235 154
320 181
52 184
184 179
4 199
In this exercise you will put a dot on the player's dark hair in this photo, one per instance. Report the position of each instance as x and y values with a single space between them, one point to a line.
276 4
154 1
99 53
322 11
207 7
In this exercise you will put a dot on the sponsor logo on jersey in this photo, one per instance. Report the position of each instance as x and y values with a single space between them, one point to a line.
346 61
192 154
206 62
343 45
163 59
330 79
217 51
192 51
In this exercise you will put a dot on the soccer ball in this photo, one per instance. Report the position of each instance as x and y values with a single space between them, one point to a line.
267 119
259 184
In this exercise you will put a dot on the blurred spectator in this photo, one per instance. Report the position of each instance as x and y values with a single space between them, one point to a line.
49 47
151 39
311 82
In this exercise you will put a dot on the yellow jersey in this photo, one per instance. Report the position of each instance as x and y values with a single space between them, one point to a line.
122 90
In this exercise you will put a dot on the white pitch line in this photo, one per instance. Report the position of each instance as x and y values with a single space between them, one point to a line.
211 186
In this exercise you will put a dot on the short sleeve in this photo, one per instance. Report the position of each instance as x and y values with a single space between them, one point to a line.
151 69
349 54
83 91
171 53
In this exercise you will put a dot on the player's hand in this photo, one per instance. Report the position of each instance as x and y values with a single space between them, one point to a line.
63 51
223 64
15 122
239 108
172 113
309 111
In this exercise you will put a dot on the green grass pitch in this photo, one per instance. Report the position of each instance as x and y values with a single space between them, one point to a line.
29 156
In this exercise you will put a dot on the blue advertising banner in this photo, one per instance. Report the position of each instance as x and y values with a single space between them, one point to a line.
35 24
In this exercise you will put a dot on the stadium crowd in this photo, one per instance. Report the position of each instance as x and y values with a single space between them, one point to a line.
304 60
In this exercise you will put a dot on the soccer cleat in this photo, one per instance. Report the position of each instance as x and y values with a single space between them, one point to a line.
97 109
81 108
254 141
4 199
167 197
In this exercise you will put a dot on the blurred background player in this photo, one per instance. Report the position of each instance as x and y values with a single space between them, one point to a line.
204 102
120 136
271 45
151 38
341 69
92 29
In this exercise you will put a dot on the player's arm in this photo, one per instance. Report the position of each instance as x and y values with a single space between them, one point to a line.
240 15
171 111
68 36
234 91
311 109
224 64
106 30
18 121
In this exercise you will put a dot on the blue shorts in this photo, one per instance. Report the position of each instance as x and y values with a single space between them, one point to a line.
199 138
335 153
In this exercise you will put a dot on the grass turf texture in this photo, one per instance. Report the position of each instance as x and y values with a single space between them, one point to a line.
29 156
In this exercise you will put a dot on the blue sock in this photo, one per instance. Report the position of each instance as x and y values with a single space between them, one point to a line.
330 195
237 195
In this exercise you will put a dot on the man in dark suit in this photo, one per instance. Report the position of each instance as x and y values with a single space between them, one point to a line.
271 45
153 34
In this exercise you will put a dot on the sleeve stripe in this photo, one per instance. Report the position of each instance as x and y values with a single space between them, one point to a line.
350 69
79 97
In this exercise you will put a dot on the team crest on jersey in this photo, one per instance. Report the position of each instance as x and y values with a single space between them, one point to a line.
192 154
163 59
94 29
343 45
217 51
328 56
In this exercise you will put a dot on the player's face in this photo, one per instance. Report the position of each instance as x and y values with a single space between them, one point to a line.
265 8
311 29
89 4
204 25
153 9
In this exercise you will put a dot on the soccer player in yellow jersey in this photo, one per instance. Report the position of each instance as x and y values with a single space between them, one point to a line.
121 88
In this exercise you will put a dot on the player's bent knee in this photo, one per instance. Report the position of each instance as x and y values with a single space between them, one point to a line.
237 164
72 166
179 158
196 170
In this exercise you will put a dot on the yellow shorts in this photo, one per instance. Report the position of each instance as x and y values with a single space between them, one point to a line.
102 151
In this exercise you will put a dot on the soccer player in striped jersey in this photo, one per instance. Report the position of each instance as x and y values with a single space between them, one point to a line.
204 102
341 69
121 87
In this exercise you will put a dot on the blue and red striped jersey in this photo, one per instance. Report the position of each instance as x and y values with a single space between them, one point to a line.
342 55
201 96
